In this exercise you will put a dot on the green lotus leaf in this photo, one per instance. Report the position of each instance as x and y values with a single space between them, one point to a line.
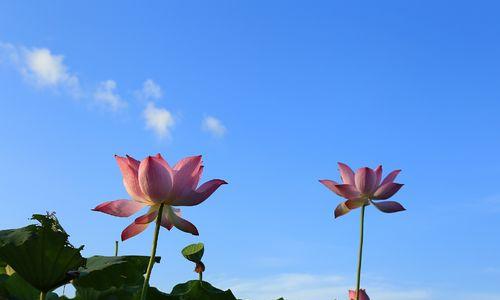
102 273
155 294
41 254
15 288
200 290
114 293
123 293
3 267
194 252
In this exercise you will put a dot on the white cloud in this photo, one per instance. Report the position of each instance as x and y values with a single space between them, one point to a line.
159 120
107 96
41 67
301 286
214 126
150 91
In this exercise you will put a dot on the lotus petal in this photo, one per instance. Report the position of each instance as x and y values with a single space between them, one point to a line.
331 185
186 175
181 223
119 208
341 210
378 173
200 195
155 179
362 295
346 173
386 190
149 217
129 168
353 204
165 222
390 177
388 206
133 230
366 180
348 191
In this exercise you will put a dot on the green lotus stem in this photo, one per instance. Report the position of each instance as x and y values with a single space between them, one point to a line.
360 253
43 295
116 248
200 276
153 254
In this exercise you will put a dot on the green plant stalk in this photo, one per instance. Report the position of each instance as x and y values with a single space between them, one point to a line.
200 277
360 253
153 254
43 295
116 248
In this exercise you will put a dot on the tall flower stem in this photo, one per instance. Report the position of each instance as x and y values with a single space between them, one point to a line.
116 248
153 254
43 295
360 253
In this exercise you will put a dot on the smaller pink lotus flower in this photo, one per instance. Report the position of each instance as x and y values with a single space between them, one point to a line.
152 183
365 187
362 295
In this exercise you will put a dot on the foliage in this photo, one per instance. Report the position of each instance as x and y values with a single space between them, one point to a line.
111 277
39 258
13 287
200 290
41 254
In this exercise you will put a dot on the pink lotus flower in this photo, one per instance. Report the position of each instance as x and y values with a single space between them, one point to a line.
365 187
362 295
153 182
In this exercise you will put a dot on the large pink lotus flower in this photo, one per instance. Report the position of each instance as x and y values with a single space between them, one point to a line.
365 187
152 182
362 295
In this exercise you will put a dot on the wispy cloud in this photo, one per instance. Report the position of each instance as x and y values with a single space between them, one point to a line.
41 67
213 126
150 91
107 96
302 286
158 119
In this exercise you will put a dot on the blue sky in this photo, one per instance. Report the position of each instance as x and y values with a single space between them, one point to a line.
273 95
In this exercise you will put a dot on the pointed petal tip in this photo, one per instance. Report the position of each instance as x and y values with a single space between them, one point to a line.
119 208
132 230
124 237
98 207
341 210
346 173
